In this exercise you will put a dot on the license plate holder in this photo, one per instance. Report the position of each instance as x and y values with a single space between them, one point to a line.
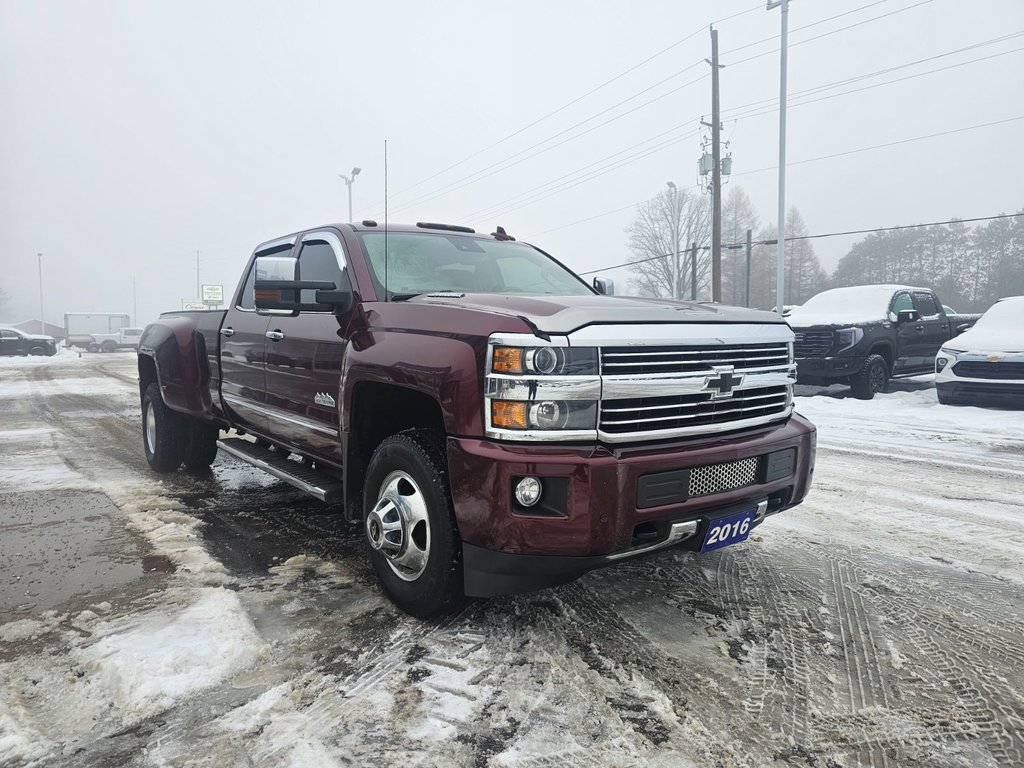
731 529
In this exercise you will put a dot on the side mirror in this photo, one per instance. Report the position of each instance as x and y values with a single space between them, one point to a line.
604 285
277 288
907 316
962 327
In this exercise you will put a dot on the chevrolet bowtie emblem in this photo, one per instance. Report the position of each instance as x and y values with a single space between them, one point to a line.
723 381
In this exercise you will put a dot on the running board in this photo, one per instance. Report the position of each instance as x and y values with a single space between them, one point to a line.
326 488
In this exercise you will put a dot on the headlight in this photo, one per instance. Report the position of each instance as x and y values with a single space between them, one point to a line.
848 337
944 358
545 361
544 414
951 352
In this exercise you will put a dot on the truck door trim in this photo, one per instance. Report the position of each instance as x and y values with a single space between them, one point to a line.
275 414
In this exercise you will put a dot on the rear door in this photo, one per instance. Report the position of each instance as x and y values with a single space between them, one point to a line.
934 325
10 342
242 349
304 356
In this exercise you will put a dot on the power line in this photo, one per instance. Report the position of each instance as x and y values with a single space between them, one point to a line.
493 169
526 197
815 237
578 99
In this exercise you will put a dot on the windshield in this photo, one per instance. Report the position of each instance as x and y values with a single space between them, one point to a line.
427 263
1007 313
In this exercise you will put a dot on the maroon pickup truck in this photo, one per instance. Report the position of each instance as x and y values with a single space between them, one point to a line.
497 424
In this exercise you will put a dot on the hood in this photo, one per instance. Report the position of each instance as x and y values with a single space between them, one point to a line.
984 338
564 314
38 337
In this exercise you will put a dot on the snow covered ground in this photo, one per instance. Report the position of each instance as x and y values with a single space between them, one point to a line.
879 624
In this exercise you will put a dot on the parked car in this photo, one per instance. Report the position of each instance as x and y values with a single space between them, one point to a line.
985 364
865 335
15 342
125 338
497 424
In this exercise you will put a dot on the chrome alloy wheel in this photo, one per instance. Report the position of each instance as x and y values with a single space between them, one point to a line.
150 428
398 526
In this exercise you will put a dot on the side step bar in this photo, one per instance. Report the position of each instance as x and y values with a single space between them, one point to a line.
302 476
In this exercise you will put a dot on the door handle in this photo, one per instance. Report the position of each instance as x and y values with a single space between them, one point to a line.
227 331
919 328
274 335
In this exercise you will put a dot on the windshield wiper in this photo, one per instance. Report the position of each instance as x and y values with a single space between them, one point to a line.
404 296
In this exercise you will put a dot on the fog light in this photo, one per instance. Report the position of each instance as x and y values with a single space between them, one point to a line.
940 363
528 491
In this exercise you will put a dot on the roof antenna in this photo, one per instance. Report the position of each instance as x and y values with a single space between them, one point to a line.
386 220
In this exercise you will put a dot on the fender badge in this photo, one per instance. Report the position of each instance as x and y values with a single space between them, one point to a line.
322 398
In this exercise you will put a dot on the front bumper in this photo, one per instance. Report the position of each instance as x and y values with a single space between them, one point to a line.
507 549
975 391
826 370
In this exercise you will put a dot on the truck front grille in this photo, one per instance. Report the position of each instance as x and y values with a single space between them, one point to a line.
813 343
982 369
639 360
654 414
717 478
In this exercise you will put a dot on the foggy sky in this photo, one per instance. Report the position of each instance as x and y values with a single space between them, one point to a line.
134 134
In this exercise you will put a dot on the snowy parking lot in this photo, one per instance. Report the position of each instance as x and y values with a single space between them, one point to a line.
229 620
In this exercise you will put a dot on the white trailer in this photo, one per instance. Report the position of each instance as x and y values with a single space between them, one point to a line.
80 326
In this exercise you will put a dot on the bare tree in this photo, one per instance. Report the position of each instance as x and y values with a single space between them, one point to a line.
673 216
804 275
738 215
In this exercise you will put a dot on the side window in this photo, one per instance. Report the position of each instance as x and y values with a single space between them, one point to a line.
926 305
245 300
317 261
5 334
902 302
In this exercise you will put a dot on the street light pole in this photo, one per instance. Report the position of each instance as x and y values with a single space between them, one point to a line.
348 183
42 323
780 250
675 239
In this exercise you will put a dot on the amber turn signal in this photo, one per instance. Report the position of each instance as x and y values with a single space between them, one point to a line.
508 414
507 360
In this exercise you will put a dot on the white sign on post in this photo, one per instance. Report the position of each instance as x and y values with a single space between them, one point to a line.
213 295
192 304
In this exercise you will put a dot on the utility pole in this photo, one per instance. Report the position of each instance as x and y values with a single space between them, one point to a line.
199 291
693 272
716 176
675 241
746 300
42 323
780 251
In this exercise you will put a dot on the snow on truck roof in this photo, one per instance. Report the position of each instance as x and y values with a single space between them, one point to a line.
857 304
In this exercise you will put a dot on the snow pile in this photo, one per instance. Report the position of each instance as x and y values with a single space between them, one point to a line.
149 667
20 742
860 304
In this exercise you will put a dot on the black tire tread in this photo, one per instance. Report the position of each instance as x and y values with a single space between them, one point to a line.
200 447
860 383
169 428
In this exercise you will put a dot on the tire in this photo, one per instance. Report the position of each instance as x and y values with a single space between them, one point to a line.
162 432
93 347
108 346
414 545
37 351
200 445
873 378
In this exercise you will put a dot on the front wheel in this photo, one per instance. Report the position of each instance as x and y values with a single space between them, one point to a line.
162 432
109 346
93 346
410 524
37 351
873 378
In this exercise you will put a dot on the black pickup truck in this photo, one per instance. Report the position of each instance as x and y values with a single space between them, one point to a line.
865 335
